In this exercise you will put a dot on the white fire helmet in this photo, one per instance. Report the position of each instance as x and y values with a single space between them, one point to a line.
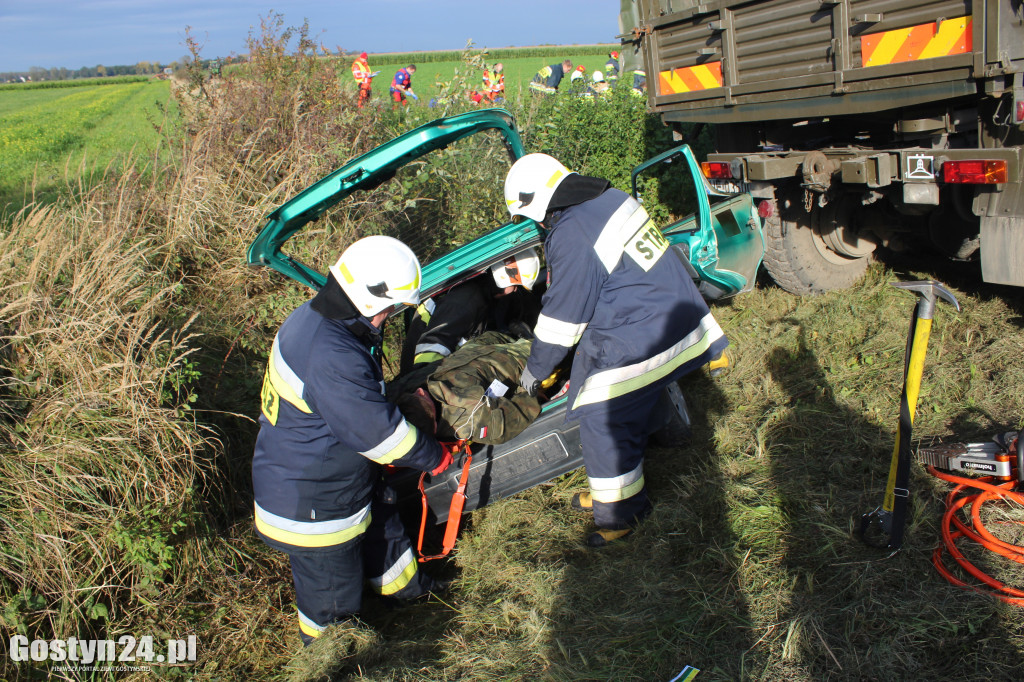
530 183
521 269
378 272
598 77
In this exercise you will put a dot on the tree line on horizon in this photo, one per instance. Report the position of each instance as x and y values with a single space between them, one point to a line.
142 68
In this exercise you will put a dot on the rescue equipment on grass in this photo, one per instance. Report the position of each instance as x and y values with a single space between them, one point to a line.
884 526
1004 457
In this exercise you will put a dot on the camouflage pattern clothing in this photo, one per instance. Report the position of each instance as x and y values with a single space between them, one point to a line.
475 391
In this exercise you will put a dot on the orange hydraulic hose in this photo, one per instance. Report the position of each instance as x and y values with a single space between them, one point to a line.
957 500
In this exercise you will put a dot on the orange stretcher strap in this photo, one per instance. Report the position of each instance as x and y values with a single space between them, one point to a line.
451 530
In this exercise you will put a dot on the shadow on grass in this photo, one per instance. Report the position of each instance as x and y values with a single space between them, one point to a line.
848 611
669 596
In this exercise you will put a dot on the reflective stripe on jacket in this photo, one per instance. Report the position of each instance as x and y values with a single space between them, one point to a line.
621 292
550 76
324 425
494 82
438 329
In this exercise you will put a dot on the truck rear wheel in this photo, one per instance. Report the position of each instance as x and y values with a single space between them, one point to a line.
810 253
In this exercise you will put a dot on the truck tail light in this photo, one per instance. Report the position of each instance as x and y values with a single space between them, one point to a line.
1018 117
715 170
980 172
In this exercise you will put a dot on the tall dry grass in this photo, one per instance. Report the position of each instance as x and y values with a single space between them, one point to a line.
101 461
130 341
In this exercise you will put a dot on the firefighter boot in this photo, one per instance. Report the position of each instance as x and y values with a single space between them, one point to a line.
604 536
582 502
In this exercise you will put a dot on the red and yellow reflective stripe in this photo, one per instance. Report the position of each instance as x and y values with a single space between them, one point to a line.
924 41
690 78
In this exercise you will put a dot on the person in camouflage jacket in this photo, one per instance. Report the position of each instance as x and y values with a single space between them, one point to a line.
472 394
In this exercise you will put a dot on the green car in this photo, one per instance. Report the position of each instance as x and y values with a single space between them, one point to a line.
439 188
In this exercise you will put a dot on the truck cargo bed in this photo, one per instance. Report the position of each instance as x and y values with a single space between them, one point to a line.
727 61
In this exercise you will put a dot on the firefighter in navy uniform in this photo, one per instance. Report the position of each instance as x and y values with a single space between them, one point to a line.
623 299
438 328
547 80
326 431
611 67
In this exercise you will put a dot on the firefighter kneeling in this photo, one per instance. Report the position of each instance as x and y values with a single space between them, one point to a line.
326 431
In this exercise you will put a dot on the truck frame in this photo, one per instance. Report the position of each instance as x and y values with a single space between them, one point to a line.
855 124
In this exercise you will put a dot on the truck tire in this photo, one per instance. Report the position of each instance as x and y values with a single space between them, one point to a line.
801 261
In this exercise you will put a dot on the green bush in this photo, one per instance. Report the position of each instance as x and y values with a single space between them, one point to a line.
607 136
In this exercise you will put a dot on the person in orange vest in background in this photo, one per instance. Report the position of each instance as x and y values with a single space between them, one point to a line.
402 85
494 83
361 72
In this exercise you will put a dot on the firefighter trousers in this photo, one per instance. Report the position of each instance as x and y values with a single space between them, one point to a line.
329 582
613 436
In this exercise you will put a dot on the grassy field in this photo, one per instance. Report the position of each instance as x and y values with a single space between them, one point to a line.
52 138
133 338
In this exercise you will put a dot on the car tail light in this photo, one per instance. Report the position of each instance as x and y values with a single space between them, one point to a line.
765 209
715 170
974 172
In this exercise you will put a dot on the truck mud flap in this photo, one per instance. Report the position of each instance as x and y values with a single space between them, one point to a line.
545 450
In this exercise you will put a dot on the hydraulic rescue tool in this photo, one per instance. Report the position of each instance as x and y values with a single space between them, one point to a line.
994 458
883 527
1003 460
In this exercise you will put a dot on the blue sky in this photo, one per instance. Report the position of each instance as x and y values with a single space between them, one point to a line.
73 34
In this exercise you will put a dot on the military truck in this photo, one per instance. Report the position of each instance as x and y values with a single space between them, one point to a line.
855 124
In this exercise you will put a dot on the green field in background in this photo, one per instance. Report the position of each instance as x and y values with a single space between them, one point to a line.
48 136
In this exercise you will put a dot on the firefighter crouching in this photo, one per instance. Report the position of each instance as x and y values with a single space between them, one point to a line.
326 431
622 298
